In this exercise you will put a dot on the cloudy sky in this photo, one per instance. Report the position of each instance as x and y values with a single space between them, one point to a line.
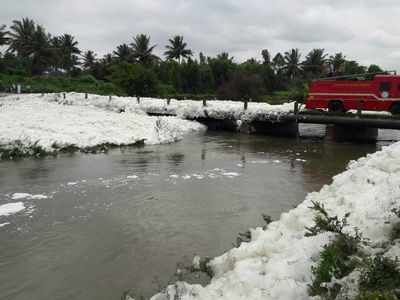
366 30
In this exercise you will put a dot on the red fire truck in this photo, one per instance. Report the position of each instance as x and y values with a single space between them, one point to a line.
379 92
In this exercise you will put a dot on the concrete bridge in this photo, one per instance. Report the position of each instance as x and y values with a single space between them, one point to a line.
352 126
250 117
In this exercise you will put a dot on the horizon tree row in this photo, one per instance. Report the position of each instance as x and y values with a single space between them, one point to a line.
32 51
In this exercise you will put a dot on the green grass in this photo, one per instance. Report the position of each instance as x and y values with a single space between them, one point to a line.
56 84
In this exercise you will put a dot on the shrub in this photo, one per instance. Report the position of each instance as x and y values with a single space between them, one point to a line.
380 274
134 79
325 223
376 296
336 261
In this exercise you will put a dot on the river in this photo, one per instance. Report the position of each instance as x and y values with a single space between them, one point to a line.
123 220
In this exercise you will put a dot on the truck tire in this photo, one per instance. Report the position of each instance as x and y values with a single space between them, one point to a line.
395 108
336 106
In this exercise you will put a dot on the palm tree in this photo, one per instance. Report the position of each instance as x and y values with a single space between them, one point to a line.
315 62
336 63
141 49
266 57
67 48
225 56
41 52
177 49
292 63
22 35
124 53
89 60
4 39
278 63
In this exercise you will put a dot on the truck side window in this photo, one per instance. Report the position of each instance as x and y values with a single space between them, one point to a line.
385 87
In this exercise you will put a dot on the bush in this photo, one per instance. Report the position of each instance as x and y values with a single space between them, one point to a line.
60 83
335 262
242 86
134 79
324 222
380 274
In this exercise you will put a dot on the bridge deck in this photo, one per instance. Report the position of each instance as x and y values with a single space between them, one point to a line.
349 119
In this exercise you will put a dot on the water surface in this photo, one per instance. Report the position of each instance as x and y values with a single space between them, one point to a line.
123 220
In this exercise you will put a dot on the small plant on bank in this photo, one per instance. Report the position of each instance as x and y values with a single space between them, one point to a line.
337 260
381 274
324 222
376 296
395 234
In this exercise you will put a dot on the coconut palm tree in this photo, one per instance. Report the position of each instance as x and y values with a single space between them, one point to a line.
124 53
278 63
89 60
4 39
266 57
315 62
41 52
141 49
292 63
336 63
67 50
22 35
177 49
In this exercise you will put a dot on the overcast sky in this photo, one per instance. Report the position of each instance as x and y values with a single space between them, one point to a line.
366 30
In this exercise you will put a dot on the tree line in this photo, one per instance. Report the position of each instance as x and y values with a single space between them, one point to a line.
136 70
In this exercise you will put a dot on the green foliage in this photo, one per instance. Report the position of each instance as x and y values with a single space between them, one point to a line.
395 233
177 49
142 52
134 79
242 86
335 262
324 222
376 295
32 51
380 274
56 84
298 94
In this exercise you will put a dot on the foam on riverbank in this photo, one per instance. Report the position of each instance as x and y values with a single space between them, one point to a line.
31 125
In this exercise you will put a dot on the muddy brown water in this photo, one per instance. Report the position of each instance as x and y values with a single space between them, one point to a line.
123 220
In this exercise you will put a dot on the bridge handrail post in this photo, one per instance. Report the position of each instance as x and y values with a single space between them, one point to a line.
296 111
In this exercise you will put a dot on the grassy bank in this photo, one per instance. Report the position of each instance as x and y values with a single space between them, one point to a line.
55 84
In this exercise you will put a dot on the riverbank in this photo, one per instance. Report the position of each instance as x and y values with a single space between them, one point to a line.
282 261
33 126
38 125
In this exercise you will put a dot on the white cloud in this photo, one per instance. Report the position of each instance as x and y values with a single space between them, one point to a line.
366 30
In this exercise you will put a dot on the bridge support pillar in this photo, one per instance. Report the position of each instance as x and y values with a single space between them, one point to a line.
284 129
348 133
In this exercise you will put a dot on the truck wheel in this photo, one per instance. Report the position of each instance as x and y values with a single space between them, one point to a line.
335 106
395 108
